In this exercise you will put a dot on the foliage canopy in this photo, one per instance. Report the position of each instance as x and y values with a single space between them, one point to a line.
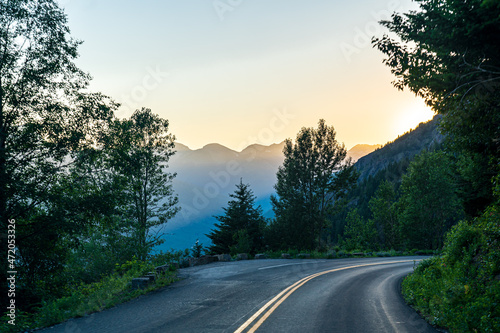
313 176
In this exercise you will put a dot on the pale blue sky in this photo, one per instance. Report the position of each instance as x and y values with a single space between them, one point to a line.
238 72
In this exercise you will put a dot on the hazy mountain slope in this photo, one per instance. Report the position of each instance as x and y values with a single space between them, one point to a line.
359 151
206 177
388 163
408 145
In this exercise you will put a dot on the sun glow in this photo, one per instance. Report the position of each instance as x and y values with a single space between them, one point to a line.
412 116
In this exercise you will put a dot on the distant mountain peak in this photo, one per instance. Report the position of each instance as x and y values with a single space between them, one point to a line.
215 146
355 152
180 147
273 148
361 150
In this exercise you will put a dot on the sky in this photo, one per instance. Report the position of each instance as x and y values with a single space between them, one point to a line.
239 72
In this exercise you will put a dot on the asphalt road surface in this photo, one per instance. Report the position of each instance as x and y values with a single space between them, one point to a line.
346 295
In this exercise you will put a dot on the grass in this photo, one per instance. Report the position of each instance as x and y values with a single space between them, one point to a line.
89 298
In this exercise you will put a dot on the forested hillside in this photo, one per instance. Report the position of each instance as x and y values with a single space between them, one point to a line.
390 162
424 137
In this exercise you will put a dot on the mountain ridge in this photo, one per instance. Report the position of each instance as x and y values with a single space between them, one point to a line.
356 152
208 175
424 136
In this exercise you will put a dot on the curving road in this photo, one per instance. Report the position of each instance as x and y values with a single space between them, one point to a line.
347 295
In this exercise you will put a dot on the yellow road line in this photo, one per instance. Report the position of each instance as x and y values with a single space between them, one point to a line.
282 296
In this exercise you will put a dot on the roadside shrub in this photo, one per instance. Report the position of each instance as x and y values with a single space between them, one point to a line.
461 289
84 299
331 254
342 254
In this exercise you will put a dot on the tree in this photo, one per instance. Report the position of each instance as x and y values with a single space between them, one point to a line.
429 204
45 117
94 196
358 233
314 174
457 72
240 229
140 148
384 215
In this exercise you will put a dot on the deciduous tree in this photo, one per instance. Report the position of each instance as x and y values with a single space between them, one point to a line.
448 52
358 233
140 148
429 204
314 174
384 215
45 117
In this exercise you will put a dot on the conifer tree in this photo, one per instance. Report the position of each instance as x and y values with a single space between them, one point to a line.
240 229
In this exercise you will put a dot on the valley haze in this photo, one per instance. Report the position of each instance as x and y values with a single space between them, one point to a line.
207 176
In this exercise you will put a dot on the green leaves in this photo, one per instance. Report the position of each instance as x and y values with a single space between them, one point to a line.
314 174
358 233
460 290
448 52
139 149
429 204
45 119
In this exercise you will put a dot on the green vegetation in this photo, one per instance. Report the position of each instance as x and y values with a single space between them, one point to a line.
461 289
82 188
241 228
139 150
406 210
85 299
384 214
458 76
338 252
359 234
429 202
457 72
314 175
89 192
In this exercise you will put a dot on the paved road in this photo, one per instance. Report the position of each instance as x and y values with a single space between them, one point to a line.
347 295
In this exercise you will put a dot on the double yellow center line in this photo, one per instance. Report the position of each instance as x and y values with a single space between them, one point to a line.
282 296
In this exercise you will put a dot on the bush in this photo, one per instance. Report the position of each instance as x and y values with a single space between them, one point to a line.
331 254
88 298
461 289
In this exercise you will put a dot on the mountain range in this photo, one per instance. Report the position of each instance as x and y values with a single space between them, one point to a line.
207 176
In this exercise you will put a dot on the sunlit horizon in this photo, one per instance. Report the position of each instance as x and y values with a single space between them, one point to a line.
253 72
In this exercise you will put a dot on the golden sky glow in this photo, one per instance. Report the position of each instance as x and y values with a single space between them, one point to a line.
247 71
